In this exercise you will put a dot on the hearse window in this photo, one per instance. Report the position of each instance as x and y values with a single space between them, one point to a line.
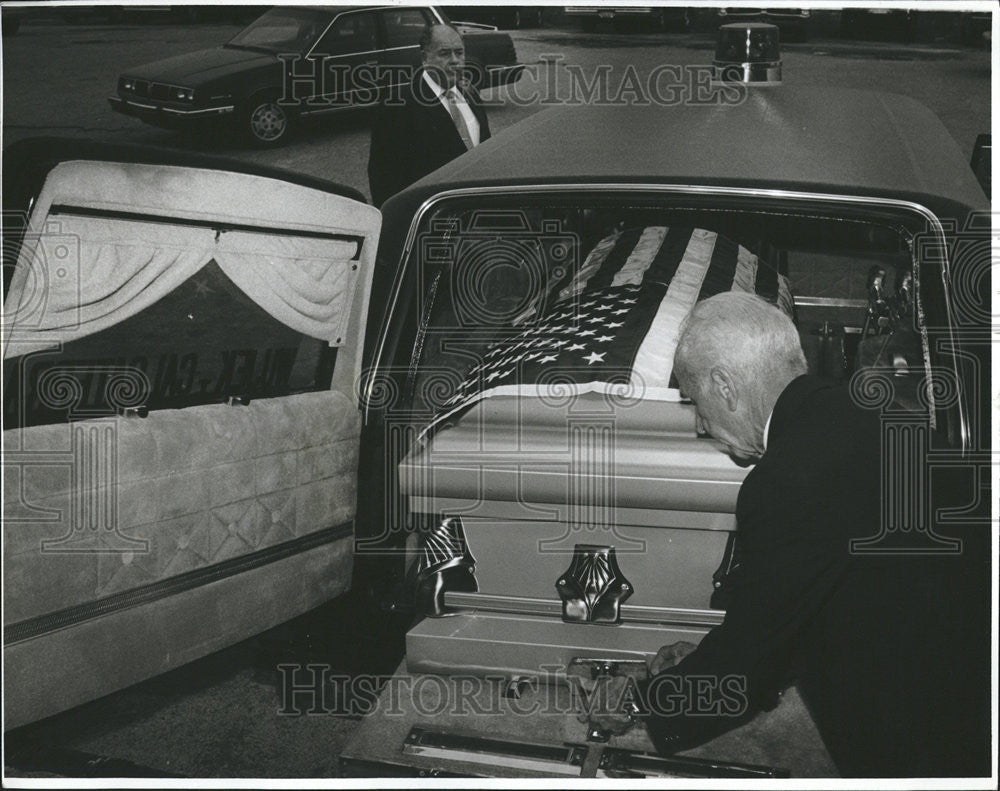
204 342
499 287
404 26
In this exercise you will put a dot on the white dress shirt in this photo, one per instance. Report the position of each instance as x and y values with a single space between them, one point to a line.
767 428
463 106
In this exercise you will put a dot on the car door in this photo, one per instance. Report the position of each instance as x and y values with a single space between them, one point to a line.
401 31
349 55
181 345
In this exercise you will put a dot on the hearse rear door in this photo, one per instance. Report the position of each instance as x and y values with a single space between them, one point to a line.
181 348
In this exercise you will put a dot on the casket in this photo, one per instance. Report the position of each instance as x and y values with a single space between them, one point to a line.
628 512
571 508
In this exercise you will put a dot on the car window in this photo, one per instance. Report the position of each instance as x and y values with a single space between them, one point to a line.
504 302
282 30
204 342
404 26
351 33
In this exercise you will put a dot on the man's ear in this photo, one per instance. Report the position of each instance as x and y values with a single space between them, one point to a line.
724 387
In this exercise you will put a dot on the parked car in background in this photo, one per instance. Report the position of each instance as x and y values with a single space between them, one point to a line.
898 24
297 61
477 425
175 14
792 22
639 17
512 17
975 28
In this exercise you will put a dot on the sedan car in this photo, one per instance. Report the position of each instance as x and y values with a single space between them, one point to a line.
223 410
793 22
646 17
298 61
897 24
509 16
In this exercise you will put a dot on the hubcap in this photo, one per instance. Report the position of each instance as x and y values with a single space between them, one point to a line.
268 122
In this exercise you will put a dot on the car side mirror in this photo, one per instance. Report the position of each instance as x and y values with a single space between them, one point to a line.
981 161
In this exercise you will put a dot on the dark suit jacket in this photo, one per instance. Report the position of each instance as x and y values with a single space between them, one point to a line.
889 651
412 135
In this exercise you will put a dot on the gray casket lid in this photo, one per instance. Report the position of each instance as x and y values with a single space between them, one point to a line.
525 450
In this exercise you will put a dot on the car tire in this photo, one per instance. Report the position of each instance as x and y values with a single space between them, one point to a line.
265 123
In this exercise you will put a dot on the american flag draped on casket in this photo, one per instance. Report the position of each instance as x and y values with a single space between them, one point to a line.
613 327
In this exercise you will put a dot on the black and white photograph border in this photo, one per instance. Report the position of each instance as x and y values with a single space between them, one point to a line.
418 395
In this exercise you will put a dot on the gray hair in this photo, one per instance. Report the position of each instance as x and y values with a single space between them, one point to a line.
428 33
742 332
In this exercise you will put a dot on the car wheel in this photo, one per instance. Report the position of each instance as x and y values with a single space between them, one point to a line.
266 123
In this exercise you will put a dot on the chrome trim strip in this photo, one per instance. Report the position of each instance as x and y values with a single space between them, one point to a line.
126 102
319 38
147 594
157 82
337 107
553 759
346 54
685 189
830 302
227 108
631 613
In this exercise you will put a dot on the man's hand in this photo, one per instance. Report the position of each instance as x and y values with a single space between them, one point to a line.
670 655
608 704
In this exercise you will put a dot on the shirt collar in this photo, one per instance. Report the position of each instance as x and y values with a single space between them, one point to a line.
435 86
767 429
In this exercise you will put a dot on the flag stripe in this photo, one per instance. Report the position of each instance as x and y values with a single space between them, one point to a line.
669 256
721 270
621 356
654 361
767 281
616 259
785 300
746 271
649 244
591 264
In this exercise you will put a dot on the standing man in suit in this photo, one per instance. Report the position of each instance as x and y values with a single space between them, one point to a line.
435 119
889 651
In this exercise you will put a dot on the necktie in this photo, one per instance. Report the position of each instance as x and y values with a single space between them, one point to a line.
456 116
